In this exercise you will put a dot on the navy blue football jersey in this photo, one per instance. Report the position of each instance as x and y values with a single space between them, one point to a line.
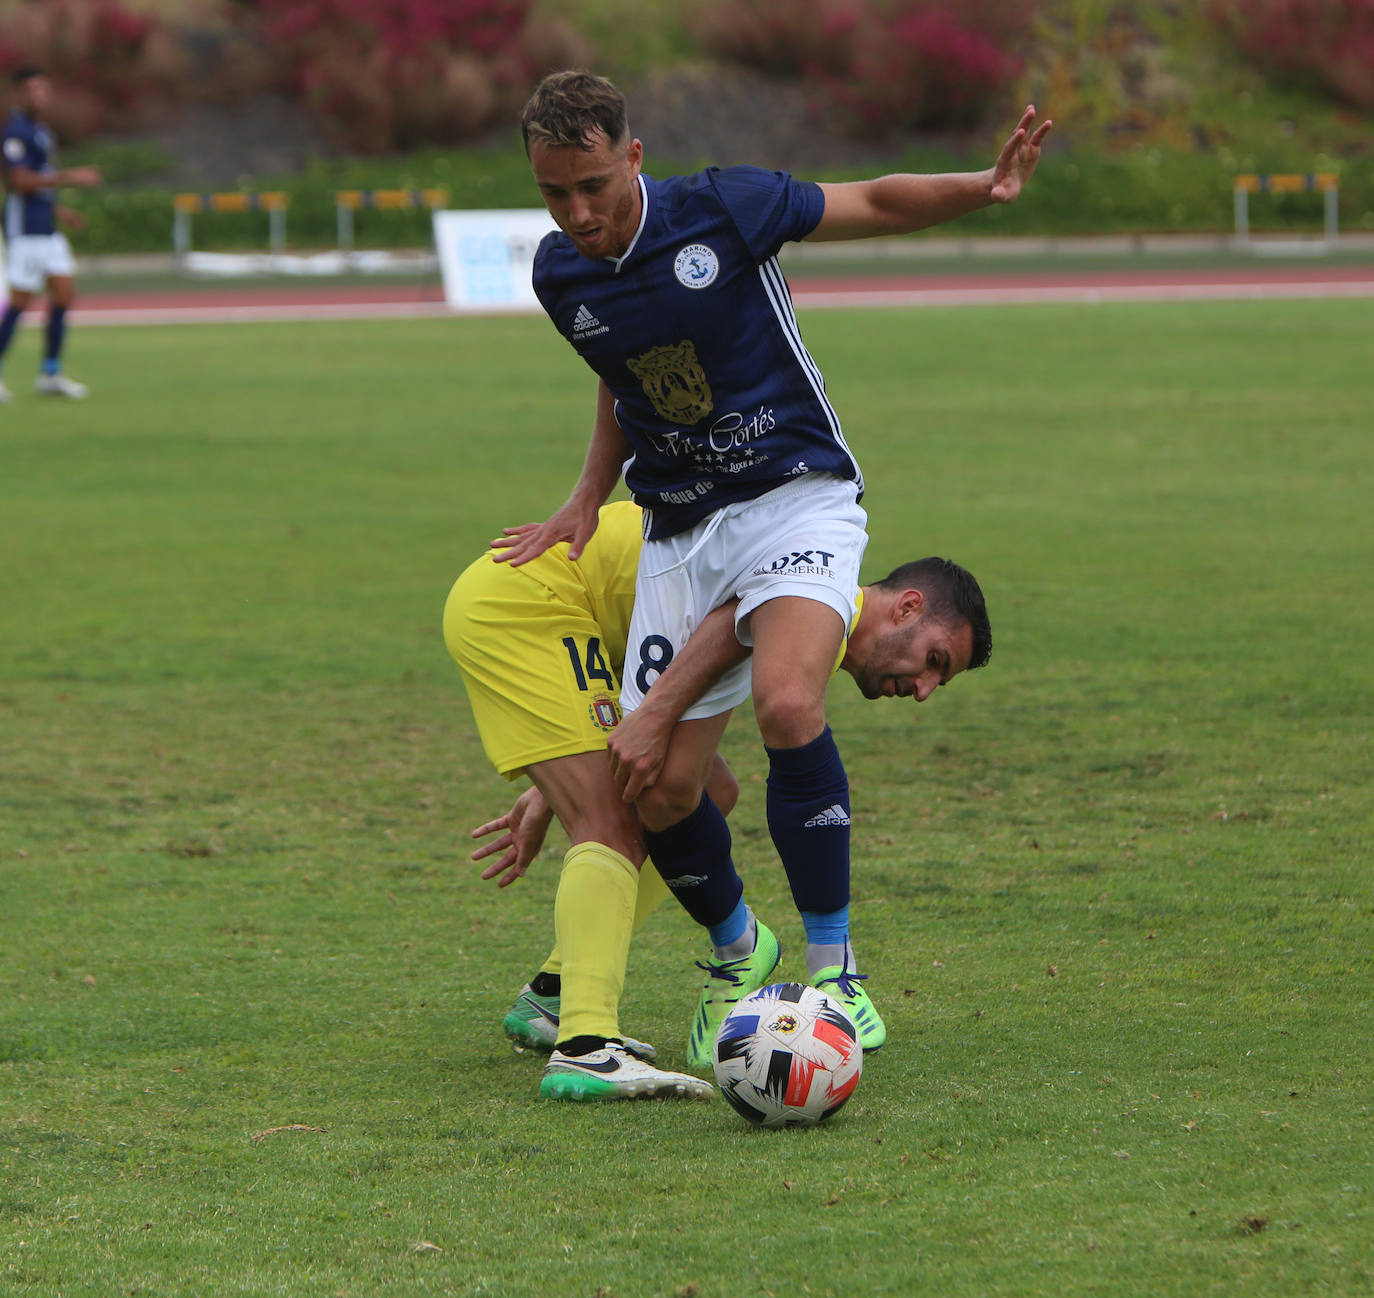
29 144
693 332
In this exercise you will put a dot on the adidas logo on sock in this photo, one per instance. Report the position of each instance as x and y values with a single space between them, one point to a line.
835 815
586 325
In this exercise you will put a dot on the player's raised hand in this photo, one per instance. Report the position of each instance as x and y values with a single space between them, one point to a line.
1016 163
522 831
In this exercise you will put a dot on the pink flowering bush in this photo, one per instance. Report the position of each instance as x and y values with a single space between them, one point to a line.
116 68
381 76
883 66
1326 42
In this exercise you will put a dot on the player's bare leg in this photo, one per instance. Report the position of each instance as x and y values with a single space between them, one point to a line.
594 910
796 643
690 842
594 918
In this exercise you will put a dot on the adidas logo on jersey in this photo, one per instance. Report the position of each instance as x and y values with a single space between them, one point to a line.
586 325
835 815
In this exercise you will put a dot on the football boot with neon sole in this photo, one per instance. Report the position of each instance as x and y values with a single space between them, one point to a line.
532 1024
613 1073
847 988
727 983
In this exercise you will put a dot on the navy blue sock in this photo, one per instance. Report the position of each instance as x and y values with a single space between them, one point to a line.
7 326
808 816
693 857
57 330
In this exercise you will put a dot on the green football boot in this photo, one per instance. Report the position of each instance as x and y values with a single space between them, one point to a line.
532 1024
727 983
848 990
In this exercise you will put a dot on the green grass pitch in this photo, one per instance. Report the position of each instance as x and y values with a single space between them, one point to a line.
1113 892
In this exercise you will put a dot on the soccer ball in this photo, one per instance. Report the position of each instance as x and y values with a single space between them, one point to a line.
787 1056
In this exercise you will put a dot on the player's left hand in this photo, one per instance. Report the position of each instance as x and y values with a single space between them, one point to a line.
575 523
1016 163
71 218
524 826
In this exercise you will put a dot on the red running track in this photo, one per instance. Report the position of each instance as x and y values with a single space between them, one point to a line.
215 303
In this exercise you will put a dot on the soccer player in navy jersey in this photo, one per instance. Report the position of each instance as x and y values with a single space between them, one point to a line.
38 254
671 292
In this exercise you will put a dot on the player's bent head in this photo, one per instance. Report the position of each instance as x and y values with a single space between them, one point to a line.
574 109
952 596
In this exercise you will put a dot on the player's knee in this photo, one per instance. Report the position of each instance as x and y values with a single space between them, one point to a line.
723 788
789 716
667 802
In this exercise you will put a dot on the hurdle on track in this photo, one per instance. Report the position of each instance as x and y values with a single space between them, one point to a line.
349 201
1325 182
273 203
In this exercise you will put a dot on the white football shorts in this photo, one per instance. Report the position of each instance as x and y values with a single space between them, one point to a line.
804 538
31 259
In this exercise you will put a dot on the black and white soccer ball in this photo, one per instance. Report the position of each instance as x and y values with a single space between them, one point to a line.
787 1056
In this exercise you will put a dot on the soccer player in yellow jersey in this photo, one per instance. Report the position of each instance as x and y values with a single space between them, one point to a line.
541 648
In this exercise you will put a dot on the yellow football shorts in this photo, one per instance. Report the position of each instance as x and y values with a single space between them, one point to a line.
540 677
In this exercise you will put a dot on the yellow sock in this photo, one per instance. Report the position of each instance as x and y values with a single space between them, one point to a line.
652 891
593 917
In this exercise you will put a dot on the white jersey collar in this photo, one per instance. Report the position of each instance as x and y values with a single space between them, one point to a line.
620 261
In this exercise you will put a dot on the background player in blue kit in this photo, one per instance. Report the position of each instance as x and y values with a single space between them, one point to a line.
671 292
37 252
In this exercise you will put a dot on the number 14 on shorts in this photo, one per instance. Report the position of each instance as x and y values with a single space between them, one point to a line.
590 665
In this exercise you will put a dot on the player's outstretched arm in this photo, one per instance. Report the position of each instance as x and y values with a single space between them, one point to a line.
575 521
522 831
22 180
899 204
638 746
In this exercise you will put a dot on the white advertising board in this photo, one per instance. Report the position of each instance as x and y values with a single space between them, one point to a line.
486 257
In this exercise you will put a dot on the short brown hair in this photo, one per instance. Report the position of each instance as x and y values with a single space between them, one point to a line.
569 108
952 596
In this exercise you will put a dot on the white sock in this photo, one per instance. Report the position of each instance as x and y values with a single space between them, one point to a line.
825 955
742 945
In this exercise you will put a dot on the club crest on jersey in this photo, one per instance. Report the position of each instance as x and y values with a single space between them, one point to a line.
604 712
696 266
674 382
